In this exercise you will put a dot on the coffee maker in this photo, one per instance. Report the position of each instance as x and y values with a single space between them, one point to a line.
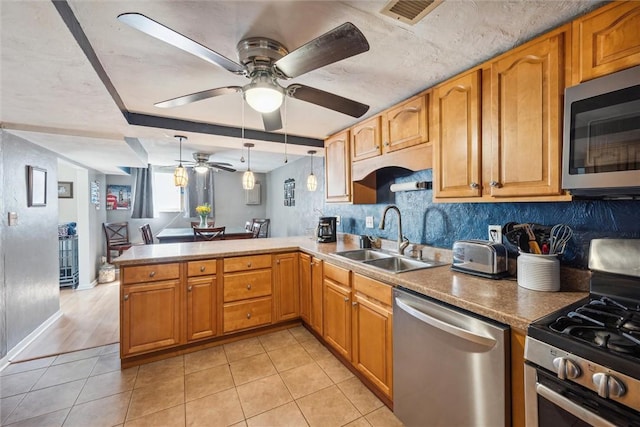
327 229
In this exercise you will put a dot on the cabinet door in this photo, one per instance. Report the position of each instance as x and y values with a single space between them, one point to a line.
337 316
305 287
527 89
201 307
316 295
365 139
286 288
406 125
606 40
337 168
457 128
372 342
150 316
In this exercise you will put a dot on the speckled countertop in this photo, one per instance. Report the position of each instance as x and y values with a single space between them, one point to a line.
501 300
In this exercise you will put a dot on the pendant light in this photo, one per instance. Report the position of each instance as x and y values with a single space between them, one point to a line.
180 177
312 181
248 179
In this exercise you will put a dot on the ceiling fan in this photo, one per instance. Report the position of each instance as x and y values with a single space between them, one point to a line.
202 164
264 61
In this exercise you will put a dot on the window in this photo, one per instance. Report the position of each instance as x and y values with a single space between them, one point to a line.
166 196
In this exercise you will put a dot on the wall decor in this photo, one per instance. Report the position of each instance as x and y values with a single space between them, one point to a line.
65 190
118 197
289 192
95 194
37 186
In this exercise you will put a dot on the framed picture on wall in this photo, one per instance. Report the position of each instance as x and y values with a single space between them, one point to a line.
36 186
65 190
118 197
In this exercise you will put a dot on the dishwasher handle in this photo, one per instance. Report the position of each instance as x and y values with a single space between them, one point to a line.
444 326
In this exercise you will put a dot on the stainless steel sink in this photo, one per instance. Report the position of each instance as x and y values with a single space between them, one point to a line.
364 254
387 261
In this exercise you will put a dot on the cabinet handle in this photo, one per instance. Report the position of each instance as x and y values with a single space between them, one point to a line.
277 261
248 265
354 303
202 268
151 274
126 297
190 288
248 315
346 299
474 185
249 287
377 147
386 143
495 184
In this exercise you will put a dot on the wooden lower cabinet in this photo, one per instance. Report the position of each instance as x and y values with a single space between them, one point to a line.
336 293
317 267
150 316
247 314
304 275
202 307
286 289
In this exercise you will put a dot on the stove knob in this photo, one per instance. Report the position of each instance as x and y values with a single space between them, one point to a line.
566 368
608 386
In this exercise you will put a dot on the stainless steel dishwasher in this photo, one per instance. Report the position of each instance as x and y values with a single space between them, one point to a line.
450 367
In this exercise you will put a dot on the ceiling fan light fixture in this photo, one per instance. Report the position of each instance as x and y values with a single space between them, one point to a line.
201 168
263 95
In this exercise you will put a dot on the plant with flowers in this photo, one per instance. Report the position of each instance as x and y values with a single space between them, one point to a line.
203 210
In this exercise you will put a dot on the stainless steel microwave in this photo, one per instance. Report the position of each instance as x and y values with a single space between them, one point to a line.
601 146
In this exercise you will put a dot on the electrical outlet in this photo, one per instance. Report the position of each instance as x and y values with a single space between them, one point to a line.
369 222
337 219
495 233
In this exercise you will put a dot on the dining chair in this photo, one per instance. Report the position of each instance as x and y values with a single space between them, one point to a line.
117 236
147 236
206 234
248 225
260 227
210 224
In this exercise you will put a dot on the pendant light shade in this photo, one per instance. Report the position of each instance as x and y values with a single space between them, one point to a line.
248 179
312 181
263 94
180 177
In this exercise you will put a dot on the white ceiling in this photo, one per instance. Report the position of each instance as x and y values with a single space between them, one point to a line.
51 95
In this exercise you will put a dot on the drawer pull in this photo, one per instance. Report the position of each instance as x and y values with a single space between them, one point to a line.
248 315
190 288
248 265
202 268
152 273
126 297
346 299
249 287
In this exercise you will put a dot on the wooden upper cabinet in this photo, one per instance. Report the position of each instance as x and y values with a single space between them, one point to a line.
526 119
405 125
457 107
366 139
337 168
606 40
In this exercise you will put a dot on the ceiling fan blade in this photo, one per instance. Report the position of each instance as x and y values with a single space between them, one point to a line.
340 43
167 35
219 163
224 168
272 121
198 96
327 100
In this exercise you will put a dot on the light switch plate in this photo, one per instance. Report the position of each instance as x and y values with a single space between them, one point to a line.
338 220
13 218
369 222
495 233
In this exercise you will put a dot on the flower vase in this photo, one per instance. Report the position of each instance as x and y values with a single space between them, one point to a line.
203 221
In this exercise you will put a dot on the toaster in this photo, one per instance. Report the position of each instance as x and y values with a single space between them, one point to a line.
481 258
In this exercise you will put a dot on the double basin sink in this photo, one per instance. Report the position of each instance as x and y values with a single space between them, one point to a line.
388 261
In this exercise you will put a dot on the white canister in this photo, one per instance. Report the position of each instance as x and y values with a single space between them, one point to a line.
539 272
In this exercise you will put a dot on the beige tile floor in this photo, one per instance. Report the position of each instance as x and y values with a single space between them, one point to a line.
284 378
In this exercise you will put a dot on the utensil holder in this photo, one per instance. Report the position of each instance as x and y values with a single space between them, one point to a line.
539 272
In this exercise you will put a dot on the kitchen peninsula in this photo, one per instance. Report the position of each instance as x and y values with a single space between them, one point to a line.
180 297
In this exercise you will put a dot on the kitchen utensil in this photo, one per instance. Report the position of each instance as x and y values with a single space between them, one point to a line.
559 237
531 242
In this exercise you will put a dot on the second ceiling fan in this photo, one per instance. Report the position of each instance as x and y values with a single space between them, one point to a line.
264 61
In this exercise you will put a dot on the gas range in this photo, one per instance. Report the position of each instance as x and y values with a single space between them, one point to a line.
583 361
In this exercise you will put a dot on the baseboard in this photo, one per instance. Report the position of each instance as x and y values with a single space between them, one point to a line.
89 286
4 362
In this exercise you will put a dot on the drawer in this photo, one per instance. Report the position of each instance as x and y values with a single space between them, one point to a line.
337 274
372 288
247 314
251 284
150 273
244 263
201 268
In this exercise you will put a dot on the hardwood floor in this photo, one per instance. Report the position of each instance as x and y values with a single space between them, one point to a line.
90 319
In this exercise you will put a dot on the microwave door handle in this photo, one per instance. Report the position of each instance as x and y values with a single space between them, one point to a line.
446 327
571 407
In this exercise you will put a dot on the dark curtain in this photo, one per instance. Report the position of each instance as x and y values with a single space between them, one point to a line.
142 192
198 192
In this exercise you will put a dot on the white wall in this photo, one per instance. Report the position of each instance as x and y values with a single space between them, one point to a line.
68 208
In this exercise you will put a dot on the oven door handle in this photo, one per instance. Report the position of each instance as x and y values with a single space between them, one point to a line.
571 407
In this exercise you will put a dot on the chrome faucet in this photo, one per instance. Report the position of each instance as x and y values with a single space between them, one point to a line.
403 242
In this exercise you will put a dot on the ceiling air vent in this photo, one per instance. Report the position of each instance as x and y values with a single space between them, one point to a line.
409 11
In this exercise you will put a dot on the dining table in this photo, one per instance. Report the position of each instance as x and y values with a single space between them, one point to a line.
185 234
